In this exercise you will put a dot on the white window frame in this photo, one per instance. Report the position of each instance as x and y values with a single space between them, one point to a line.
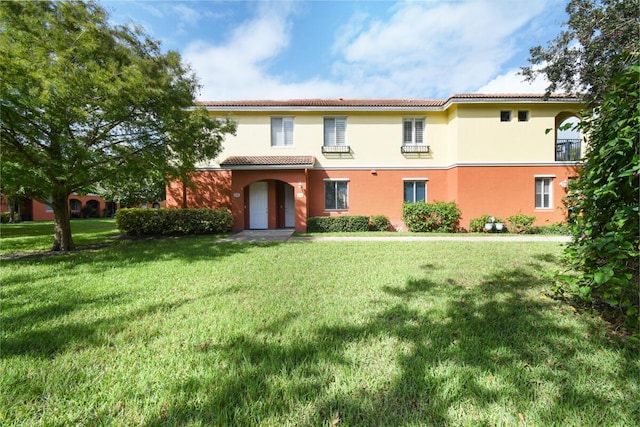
335 182
414 181
413 140
279 131
331 139
545 190
508 118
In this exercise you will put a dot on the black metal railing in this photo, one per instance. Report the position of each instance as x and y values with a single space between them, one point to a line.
568 150
414 148
336 149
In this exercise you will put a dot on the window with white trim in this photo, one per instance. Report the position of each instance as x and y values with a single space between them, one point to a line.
544 196
336 195
282 131
413 131
335 131
415 191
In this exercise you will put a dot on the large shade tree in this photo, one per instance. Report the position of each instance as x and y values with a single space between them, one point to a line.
86 102
597 54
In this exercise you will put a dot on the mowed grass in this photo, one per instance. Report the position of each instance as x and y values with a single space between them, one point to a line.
38 235
190 331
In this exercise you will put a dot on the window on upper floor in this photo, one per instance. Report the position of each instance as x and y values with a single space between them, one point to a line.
413 131
544 196
415 191
282 131
523 115
505 116
335 130
336 195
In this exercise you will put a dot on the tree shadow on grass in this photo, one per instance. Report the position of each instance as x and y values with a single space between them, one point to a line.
496 345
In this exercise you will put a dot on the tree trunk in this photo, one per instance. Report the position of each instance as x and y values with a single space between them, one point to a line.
62 240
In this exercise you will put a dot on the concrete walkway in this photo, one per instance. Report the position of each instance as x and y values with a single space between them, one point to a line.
280 235
286 235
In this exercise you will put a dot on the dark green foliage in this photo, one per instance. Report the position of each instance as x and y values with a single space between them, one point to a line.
89 211
335 224
442 217
379 223
599 40
605 202
152 222
521 223
5 217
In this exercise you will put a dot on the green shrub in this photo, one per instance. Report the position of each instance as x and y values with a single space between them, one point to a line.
379 223
333 224
559 228
442 217
477 224
521 223
151 222
5 217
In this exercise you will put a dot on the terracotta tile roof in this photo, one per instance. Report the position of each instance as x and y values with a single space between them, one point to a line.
380 103
337 102
274 161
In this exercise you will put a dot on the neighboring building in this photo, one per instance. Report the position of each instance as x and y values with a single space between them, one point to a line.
86 206
292 160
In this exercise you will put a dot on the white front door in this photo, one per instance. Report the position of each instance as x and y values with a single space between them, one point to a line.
289 207
259 206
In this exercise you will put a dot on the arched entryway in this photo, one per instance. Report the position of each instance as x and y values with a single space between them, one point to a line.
270 204
568 139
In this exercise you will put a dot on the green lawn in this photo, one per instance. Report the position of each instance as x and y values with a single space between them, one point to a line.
38 235
188 331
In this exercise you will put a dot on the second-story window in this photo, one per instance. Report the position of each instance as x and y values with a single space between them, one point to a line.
335 129
413 131
282 131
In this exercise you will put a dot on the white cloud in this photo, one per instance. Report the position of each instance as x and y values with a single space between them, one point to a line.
421 49
439 48
513 82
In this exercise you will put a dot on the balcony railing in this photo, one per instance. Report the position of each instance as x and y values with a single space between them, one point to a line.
414 148
336 149
568 150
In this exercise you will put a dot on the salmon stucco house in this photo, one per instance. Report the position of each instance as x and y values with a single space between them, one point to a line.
292 160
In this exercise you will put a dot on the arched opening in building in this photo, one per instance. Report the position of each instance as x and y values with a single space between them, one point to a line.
569 144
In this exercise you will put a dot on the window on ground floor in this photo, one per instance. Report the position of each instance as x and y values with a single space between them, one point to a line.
336 195
544 192
415 191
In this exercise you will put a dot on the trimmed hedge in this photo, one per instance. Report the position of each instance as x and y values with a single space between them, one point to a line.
329 224
153 222
379 223
521 224
441 217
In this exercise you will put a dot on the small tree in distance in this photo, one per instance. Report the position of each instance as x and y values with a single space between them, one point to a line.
84 102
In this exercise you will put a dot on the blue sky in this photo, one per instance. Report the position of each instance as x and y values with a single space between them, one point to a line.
350 49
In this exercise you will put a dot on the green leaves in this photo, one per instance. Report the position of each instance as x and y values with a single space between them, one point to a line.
605 202
599 40
85 102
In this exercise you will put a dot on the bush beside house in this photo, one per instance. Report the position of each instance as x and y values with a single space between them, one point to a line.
441 217
150 222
